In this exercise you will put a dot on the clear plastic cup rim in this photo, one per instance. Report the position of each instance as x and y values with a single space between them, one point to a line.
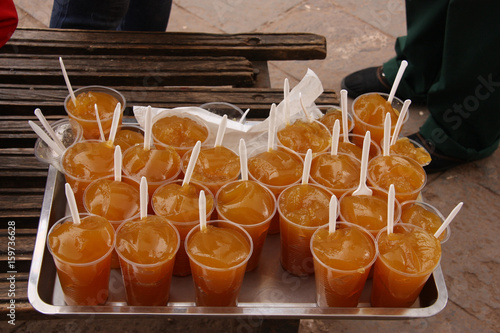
395 103
159 263
217 269
351 271
82 215
115 93
428 206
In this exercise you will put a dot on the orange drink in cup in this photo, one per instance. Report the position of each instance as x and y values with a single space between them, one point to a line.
406 174
214 167
180 131
342 261
407 257
84 162
178 203
147 248
332 114
128 135
116 201
157 165
369 111
302 208
218 255
339 173
302 135
424 215
367 211
252 206
410 148
355 147
277 169
83 266
83 112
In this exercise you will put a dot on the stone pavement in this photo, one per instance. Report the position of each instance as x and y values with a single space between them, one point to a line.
359 34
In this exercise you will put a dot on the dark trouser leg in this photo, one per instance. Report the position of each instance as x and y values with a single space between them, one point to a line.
147 15
457 68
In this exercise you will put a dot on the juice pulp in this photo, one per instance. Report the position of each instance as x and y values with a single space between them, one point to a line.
405 147
82 254
84 162
367 211
218 257
214 167
126 138
182 133
147 249
303 135
302 209
417 215
339 173
179 204
369 114
407 176
84 112
276 169
252 206
156 165
406 259
329 118
342 261
355 147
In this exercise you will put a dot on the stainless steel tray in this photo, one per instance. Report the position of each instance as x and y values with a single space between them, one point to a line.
267 292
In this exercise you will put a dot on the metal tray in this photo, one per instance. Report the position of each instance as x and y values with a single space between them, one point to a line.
267 292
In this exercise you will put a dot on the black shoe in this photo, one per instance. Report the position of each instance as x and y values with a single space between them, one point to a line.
439 162
364 81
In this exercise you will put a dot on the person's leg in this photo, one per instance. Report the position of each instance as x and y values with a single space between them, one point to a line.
464 100
422 47
88 14
147 15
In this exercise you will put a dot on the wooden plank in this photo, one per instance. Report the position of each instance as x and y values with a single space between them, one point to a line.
127 70
23 99
253 46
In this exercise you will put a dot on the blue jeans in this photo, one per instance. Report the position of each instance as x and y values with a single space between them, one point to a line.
126 15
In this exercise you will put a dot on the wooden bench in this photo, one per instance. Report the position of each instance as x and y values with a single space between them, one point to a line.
30 77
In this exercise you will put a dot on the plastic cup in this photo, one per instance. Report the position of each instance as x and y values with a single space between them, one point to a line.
425 216
355 147
106 99
180 205
83 267
157 165
113 200
68 131
84 162
406 259
181 131
276 169
218 258
412 149
214 167
369 212
339 173
302 209
147 248
303 135
223 108
252 206
342 261
405 173
129 135
333 113
373 114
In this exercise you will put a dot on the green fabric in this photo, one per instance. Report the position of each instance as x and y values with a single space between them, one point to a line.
453 52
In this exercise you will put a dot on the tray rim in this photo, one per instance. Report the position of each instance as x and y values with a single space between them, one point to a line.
243 310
